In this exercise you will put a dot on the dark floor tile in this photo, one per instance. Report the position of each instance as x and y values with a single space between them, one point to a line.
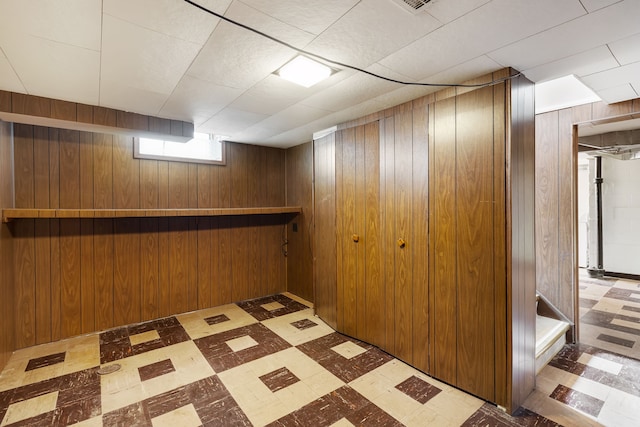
418 389
616 340
156 369
304 324
115 344
490 415
214 320
30 391
577 400
40 362
74 394
133 415
254 307
77 411
223 412
631 308
166 402
221 357
46 419
587 303
279 379
345 369
372 415
621 294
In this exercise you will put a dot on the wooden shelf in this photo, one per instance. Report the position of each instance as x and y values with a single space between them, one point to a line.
15 213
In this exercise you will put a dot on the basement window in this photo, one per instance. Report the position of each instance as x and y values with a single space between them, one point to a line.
203 148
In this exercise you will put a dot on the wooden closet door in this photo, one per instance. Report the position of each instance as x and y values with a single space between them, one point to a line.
475 251
360 291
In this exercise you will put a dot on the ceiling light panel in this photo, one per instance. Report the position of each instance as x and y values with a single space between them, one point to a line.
304 71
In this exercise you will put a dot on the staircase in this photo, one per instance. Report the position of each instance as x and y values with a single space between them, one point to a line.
551 332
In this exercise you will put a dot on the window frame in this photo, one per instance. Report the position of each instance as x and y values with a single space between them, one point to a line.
138 155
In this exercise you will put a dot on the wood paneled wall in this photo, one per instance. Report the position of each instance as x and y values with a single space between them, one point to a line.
324 229
81 275
299 172
556 198
451 174
7 336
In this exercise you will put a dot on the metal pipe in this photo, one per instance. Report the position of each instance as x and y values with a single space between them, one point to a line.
598 182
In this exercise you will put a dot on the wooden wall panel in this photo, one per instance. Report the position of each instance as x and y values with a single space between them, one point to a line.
299 188
444 235
324 243
7 280
360 227
347 206
374 291
474 189
387 184
547 204
403 346
82 275
420 238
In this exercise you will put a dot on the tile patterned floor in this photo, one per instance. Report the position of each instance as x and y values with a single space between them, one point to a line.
268 361
598 378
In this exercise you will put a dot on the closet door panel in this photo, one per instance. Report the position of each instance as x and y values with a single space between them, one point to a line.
476 318
350 233
374 285
360 229
444 236
420 248
387 183
403 232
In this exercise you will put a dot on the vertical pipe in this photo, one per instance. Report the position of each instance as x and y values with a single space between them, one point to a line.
599 270
599 204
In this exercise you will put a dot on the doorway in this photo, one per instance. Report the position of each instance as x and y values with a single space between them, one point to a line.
608 229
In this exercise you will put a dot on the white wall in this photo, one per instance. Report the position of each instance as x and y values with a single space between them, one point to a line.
621 215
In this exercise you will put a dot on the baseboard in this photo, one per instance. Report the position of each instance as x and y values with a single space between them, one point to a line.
622 275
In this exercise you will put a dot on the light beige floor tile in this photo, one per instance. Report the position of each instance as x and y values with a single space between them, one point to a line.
30 408
348 349
600 363
562 414
197 327
282 326
124 387
185 416
144 337
342 422
241 343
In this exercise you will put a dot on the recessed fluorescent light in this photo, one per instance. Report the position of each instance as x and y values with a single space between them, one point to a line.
564 92
304 71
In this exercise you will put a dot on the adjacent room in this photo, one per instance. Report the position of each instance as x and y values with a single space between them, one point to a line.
330 213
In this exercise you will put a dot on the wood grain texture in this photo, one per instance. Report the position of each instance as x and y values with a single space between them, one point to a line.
474 171
7 279
387 184
374 306
420 237
403 337
444 235
360 225
324 242
107 265
299 192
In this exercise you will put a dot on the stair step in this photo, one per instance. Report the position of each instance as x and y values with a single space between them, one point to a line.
550 338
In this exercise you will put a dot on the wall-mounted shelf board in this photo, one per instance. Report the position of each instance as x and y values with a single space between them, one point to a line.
16 213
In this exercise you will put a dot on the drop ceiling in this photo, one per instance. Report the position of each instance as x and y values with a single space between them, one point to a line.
169 59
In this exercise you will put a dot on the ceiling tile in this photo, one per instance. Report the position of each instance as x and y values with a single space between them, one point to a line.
609 78
269 96
570 38
354 90
121 96
143 58
293 117
313 17
446 11
55 70
485 29
626 50
584 63
73 22
617 93
370 31
197 100
593 5
177 19
237 58
265 23
231 121
9 80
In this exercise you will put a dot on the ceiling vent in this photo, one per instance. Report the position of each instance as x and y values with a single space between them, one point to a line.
413 6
